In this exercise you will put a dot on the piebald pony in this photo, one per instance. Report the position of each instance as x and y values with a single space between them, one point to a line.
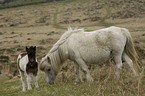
27 63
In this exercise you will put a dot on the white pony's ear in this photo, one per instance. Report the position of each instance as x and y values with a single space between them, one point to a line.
42 66
48 59
69 28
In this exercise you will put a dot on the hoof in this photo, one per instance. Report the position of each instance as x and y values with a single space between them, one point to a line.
37 86
90 80
30 88
24 90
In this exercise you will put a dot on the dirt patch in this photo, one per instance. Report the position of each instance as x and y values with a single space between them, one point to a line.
4 59
129 9
72 13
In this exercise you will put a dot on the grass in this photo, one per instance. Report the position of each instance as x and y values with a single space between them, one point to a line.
105 84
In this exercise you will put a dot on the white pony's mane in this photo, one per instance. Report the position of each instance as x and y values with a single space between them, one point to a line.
63 38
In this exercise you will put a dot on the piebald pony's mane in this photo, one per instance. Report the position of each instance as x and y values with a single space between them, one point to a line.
63 38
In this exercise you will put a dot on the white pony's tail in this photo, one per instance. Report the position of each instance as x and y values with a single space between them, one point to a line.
130 50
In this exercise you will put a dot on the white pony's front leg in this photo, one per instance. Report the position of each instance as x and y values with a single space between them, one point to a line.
23 80
29 81
36 81
80 74
84 67
77 70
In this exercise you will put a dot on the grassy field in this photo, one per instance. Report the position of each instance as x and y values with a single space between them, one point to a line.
43 24
105 84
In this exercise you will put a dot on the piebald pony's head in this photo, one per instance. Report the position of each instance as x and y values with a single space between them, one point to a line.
31 52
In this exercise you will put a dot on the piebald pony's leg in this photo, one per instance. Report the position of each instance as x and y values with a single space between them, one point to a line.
23 80
77 70
129 62
36 81
84 67
29 81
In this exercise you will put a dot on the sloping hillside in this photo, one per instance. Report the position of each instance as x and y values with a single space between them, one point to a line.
43 24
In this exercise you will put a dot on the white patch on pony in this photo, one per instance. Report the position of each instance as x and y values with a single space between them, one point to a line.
22 62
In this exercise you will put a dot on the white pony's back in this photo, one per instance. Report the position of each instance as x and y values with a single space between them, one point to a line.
96 46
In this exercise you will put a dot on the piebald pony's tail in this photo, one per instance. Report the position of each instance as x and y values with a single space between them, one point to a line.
130 50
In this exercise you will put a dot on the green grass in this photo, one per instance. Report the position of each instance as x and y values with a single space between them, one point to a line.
105 84
69 88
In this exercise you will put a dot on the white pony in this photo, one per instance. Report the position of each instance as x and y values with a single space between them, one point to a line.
90 47
27 63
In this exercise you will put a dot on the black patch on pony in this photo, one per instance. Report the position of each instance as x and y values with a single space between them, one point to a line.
32 65
32 68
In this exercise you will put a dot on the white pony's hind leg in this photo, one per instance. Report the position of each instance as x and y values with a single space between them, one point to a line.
23 80
129 62
29 81
84 67
118 62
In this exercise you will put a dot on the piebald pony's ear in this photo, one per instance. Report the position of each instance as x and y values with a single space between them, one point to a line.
34 47
27 48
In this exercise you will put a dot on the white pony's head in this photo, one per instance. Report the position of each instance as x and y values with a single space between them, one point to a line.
50 64
45 65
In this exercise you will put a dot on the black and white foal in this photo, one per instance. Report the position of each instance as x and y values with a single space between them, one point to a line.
27 63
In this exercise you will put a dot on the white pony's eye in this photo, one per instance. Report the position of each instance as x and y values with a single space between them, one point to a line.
49 69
